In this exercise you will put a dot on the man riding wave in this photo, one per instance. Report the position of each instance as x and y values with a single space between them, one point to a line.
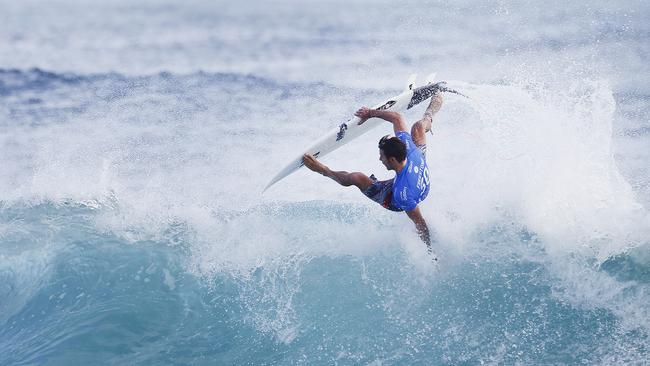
405 154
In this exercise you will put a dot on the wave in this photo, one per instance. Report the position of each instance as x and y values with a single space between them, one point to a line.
276 279
166 143
36 79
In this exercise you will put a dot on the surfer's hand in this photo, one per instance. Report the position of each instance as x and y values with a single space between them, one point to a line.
363 113
312 164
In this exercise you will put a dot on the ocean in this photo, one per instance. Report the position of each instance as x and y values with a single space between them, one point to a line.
136 139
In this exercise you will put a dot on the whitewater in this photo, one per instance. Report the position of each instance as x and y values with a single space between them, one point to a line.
136 139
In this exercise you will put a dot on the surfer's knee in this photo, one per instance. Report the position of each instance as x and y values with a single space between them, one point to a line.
359 180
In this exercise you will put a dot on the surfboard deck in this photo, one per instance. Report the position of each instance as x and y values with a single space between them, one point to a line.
350 129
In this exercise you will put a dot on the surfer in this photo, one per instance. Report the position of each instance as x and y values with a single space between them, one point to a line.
405 154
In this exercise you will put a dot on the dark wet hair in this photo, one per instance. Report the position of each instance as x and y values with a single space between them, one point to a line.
393 148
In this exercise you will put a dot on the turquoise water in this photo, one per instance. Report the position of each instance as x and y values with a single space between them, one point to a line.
90 295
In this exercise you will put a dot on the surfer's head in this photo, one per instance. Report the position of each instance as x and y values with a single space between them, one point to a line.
392 152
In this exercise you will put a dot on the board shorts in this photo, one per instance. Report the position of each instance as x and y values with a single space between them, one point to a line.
381 191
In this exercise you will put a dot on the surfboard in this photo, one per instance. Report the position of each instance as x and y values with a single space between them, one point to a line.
350 129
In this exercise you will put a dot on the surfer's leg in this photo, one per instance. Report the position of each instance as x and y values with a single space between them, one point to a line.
346 179
421 127
343 178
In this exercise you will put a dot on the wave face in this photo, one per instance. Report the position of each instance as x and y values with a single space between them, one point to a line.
133 229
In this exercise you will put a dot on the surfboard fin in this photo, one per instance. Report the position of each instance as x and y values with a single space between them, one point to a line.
430 78
410 82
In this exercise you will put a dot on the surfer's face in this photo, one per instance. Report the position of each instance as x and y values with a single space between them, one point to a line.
384 159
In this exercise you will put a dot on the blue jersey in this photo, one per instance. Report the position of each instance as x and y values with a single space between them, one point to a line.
411 185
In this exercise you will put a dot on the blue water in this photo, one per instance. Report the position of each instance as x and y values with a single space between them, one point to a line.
136 139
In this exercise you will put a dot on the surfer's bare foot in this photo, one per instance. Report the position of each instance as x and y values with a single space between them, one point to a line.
313 164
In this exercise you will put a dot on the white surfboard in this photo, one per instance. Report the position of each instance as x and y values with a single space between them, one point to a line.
350 129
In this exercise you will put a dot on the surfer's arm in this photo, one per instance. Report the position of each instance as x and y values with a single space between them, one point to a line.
389 116
420 225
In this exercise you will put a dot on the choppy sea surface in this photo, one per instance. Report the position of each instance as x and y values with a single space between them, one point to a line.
136 139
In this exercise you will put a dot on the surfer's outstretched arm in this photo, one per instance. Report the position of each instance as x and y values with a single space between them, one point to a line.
393 117
420 225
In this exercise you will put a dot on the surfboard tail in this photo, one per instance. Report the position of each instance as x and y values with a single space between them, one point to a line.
410 82
425 92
